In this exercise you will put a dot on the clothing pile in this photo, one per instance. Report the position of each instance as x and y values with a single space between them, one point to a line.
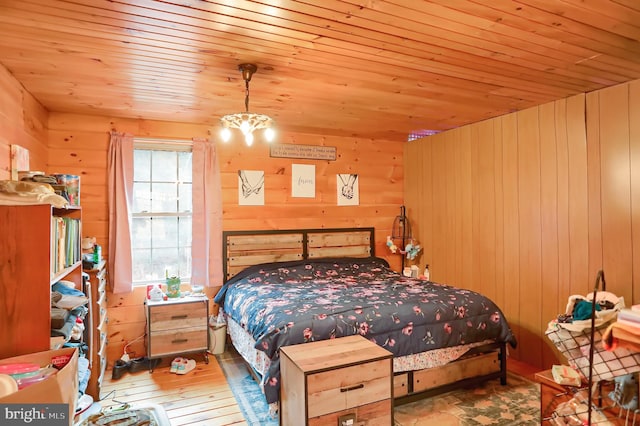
26 193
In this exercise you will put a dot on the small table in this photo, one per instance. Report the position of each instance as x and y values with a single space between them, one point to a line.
348 380
549 391
552 394
177 326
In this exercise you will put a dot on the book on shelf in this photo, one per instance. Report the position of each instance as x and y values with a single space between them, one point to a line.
65 243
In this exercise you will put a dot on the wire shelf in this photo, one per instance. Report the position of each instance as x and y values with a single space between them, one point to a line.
571 408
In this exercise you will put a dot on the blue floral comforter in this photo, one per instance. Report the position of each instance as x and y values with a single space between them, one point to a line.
288 303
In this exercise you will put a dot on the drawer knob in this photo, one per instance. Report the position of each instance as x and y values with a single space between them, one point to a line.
350 388
179 340
174 317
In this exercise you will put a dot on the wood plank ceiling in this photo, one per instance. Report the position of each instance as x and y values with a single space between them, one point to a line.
369 68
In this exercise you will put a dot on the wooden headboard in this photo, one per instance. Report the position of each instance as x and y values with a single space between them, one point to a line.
241 249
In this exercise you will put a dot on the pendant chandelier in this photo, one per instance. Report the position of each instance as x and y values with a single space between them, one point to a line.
247 122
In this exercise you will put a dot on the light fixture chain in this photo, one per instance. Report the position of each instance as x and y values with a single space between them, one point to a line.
246 96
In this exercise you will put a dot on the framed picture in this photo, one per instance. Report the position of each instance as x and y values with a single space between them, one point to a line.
303 180
348 190
251 187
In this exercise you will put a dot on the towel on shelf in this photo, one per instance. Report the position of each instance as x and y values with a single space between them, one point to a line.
621 335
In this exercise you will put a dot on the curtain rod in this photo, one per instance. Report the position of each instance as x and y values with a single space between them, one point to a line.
162 140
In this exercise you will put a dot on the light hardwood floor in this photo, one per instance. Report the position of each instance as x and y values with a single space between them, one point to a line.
200 397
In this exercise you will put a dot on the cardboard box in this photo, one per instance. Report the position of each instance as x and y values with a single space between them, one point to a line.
61 388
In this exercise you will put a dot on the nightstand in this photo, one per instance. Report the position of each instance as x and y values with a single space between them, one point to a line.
177 326
348 379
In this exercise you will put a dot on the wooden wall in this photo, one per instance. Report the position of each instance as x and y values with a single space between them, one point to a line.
527 207
78 145
22 122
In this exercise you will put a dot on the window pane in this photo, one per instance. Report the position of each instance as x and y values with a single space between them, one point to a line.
142 267
141 233
185 263
184 160
164 198
185 191
164 166
141 197
142 165
165 232
166 261
185 234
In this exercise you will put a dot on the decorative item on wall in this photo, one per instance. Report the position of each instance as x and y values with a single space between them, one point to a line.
308 152
247 122
251 187
400 234
19 160
348 190
303 180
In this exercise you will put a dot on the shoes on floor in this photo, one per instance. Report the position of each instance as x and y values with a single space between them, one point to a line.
186 366
176 363
119 368
139 364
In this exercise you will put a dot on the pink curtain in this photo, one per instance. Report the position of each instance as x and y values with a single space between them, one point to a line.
120 170
206 245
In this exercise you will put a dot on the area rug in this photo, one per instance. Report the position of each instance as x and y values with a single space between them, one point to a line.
517 403
245 389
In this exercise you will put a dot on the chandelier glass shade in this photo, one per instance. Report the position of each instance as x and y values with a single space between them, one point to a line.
247 122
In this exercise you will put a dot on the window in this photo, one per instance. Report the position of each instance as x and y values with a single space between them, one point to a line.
161 226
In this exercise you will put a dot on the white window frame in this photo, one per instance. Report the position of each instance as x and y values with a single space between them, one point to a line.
160 145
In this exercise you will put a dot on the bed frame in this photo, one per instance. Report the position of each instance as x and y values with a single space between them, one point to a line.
247 248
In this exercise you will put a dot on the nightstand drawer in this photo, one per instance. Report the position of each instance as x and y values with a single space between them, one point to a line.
348 387
173 341
170 317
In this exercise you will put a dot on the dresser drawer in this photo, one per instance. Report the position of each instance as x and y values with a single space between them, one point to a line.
171 317
173 341
375 414
348 387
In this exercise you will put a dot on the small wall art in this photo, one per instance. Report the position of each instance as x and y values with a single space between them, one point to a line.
19 160
348 190
251 187
303 180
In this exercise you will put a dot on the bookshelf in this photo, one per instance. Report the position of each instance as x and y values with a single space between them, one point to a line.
28 268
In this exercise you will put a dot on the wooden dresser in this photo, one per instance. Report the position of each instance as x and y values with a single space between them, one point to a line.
347 381
177 326
99 320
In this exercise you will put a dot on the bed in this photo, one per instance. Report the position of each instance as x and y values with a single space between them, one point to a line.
289 287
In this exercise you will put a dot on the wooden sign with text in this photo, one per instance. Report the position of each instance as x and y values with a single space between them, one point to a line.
310 152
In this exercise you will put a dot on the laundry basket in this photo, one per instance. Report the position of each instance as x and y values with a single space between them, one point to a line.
573 340
575 346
